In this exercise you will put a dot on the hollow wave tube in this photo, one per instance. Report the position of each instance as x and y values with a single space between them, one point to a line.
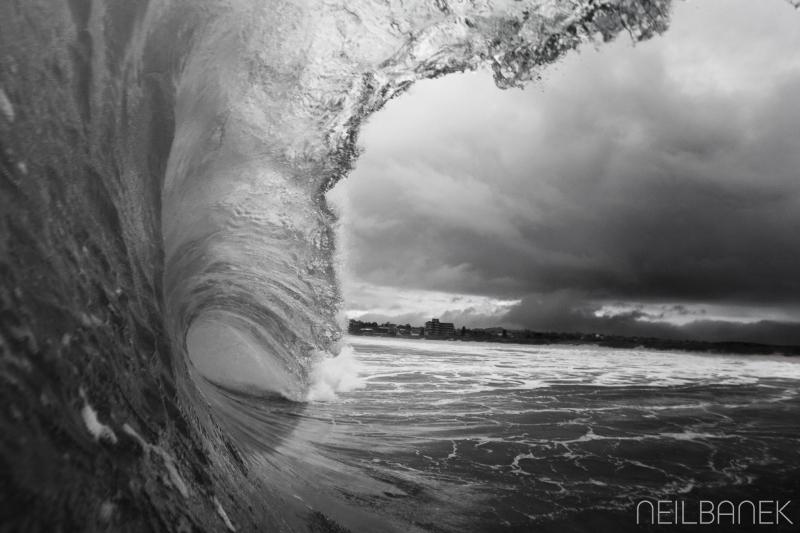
166 250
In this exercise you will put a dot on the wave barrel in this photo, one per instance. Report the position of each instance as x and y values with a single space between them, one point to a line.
167 255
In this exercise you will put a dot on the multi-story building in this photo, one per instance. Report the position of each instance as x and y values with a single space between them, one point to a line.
434 327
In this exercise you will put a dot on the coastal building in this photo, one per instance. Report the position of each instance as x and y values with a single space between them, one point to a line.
409 332
434 327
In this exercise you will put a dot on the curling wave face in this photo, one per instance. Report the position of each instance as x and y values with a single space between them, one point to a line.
167 249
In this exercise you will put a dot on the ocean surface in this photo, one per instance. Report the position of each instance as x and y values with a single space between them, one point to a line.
490 437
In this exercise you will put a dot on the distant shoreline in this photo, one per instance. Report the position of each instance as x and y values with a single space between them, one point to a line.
619 342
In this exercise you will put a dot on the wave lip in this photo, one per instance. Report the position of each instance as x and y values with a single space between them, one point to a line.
264 128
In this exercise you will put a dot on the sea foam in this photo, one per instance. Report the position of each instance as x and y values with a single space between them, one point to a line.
331 375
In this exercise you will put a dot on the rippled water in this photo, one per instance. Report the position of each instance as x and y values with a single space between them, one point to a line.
541 438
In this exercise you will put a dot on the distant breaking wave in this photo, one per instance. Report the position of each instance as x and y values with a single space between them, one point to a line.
167 258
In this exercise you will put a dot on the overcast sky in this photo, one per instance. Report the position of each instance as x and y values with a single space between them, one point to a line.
644 190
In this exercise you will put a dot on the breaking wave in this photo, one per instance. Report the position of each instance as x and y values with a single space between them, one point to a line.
167 263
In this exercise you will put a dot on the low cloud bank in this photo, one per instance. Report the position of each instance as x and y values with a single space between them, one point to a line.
566 312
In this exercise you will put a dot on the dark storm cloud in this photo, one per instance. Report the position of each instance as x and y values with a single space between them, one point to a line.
668 172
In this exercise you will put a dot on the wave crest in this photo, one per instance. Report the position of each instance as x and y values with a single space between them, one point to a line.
163 167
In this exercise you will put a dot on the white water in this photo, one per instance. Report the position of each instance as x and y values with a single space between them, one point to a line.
464 367
332 375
